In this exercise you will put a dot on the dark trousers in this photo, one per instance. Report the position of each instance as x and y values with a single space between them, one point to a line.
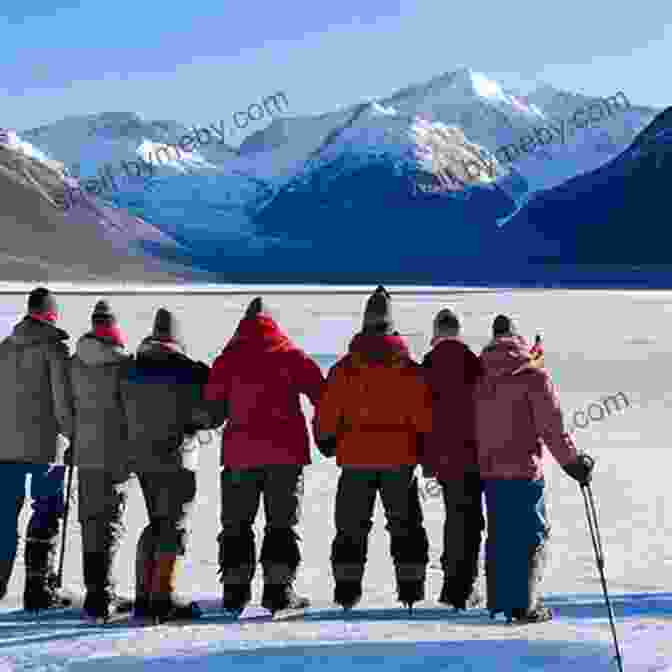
241 490
462 534
46 490
355 501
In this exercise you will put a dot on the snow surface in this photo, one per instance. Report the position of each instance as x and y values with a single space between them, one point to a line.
597 343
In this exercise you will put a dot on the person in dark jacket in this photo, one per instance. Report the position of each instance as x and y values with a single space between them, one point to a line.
265 447
36 407
161 393
100 453
517 413
375 408
450 454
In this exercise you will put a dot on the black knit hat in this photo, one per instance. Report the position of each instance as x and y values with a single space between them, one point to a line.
258 307
378 312
166 327
41 300
445 322
503 326
102 314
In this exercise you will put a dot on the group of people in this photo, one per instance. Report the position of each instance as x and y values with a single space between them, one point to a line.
477 424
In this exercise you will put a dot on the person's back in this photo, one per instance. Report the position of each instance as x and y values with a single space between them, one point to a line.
36 403
35 407
96 370
162 397
517 412
452 371
265 445
261 374
374 410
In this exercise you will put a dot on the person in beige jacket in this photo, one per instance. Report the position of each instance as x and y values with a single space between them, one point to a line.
35 407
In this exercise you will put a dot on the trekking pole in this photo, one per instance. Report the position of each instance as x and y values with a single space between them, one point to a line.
591 514
64 531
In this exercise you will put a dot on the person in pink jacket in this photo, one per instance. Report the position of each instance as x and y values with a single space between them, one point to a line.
517 413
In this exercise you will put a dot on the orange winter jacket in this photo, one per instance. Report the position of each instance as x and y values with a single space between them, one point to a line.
377 404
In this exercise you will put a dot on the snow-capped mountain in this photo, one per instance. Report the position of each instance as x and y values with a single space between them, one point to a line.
610 222
434 154
49 236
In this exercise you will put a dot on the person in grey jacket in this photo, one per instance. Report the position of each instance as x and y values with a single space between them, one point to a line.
101 456
36 407
162 395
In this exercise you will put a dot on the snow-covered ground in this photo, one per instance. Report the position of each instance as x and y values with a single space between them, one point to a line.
597 344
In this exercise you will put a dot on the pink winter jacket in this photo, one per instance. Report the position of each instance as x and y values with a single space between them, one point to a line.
517 414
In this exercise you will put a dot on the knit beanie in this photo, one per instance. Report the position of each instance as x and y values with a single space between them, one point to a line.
166 327
102 314
446 323
378 312
503 326
41 300
258 307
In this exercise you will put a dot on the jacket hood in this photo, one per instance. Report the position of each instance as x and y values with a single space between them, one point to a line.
32 332
94 351
262 333
368 349
505 355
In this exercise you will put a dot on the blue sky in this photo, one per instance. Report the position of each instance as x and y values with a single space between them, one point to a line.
199 61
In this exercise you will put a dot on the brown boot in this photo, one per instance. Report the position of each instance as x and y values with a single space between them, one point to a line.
165 606
144 574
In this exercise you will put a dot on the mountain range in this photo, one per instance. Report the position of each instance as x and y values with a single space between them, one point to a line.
377 190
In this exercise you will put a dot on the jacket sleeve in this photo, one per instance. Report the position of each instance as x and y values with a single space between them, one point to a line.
205 414
216 393
330 409
61 388
309 378
548 418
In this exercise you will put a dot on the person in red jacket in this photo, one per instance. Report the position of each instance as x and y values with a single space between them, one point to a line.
517 413
265 445
452 371
374 410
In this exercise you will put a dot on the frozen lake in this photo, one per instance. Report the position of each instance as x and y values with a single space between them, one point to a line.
598 343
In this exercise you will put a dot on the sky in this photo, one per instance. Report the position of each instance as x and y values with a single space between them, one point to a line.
196 61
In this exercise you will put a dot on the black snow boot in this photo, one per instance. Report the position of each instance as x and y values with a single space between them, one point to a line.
235 597
348 593
101 601
280 558
278 597
237 561
410 553
40 591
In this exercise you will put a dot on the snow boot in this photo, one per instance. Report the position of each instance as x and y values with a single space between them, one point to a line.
144 574
237 560
410 553
6 568
101 601
236 597
539 614
456 599
164 604
348 593
40 590
278 597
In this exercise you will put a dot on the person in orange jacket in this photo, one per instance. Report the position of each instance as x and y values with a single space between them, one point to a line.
374 410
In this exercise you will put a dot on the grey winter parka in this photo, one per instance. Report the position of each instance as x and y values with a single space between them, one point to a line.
35 393
100 422
162 393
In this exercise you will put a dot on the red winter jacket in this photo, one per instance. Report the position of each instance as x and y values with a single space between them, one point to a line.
517 413
260 373
452 371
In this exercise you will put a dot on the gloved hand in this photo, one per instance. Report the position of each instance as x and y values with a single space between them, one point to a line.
327 446
581 470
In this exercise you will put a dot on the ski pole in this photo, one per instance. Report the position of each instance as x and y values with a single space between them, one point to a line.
591 514
66 511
